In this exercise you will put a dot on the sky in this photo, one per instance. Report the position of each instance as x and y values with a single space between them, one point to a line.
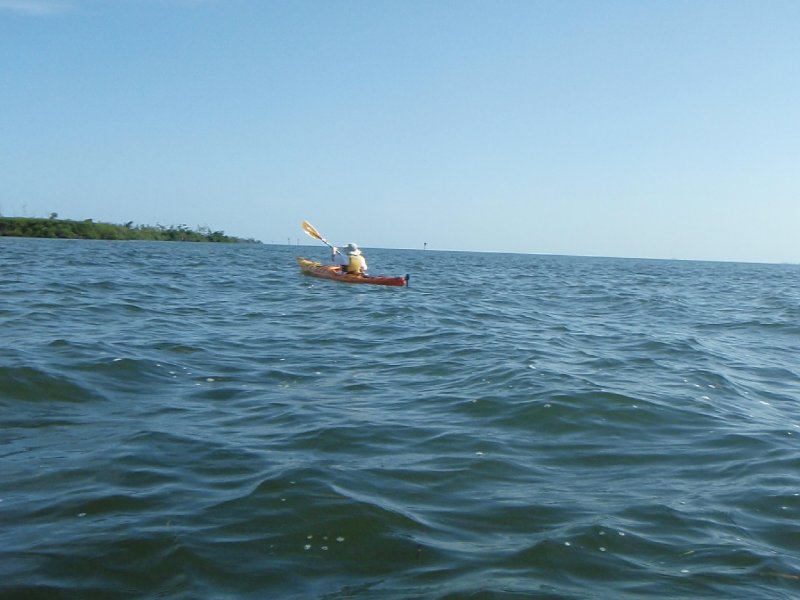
631 128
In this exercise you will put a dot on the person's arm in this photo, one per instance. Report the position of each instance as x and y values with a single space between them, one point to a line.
339 258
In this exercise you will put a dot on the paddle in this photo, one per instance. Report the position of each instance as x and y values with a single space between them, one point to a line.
309 229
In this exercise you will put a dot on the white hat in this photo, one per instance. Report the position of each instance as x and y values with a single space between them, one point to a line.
352 249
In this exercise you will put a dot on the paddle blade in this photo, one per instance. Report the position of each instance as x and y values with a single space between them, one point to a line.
309 229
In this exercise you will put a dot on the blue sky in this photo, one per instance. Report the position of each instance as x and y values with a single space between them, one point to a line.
648 128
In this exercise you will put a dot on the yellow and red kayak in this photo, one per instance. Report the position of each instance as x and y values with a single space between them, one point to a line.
334 273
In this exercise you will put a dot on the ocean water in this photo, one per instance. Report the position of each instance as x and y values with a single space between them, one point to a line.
203 421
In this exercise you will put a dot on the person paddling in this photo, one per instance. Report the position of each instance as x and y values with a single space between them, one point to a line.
352 261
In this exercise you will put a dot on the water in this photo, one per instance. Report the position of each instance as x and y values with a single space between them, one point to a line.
203 421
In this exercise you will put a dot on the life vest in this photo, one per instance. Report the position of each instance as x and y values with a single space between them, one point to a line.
357 264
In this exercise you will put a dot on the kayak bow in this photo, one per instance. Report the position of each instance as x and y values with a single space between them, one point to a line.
334 273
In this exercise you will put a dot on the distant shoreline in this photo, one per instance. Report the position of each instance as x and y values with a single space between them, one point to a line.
91 230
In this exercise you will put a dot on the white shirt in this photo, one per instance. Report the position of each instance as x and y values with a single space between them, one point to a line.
340 259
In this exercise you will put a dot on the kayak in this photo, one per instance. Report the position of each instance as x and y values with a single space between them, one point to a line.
334 273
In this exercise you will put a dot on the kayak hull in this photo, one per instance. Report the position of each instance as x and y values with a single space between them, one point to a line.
334 273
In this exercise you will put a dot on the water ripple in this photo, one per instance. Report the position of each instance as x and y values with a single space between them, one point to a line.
187 421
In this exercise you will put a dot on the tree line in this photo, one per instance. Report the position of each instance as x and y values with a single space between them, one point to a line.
89 230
